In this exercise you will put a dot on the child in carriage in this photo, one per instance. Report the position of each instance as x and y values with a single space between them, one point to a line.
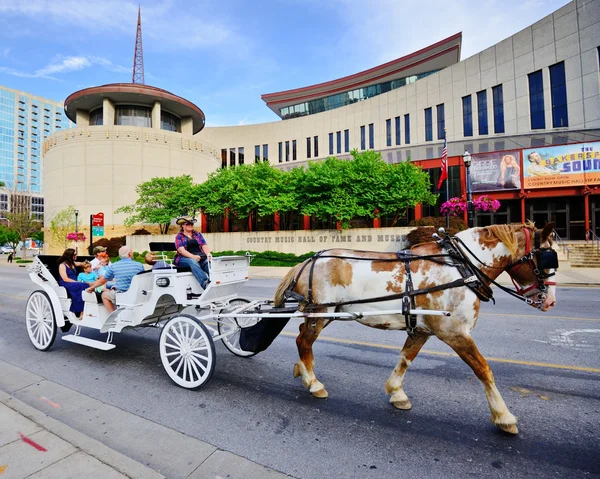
88 276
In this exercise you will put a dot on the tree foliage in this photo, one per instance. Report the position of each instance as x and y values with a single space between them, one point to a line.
365 186
61 224
24 225
9 236
160 200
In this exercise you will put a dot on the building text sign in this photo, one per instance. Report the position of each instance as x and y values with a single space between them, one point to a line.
567 165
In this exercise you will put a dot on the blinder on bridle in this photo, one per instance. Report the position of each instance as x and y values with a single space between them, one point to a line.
539 260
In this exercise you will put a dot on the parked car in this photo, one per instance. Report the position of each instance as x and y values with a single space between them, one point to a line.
6 249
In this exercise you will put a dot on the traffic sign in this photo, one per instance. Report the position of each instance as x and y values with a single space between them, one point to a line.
98 230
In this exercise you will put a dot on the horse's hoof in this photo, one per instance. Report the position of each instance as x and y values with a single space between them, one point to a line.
404 405
321 393
296 371
509 428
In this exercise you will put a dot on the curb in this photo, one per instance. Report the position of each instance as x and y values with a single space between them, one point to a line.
92 447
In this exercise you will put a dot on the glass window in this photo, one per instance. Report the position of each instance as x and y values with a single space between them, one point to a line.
331 143
224 158
265 152
96 117
346 141
397 122
362 138
294 150
498 100
308 147
231 156
241 155
287 151
338 137
558 94
134 116
388 132
371 136
536 100
316 145
441 122
280 152
482 115
256 153
407 129
428 124
169 122
467 116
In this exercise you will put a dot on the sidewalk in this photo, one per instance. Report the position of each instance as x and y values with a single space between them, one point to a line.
35 445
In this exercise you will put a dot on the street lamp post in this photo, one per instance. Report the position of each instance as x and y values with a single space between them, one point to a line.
467 162
76 232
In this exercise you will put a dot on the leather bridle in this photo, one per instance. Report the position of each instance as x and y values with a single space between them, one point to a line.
538 259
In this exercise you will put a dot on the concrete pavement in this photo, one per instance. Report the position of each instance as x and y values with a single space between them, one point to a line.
46 441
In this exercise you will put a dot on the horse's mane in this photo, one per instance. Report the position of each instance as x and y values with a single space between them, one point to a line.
507 234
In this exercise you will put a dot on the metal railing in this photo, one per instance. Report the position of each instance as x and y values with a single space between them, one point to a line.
591 236
561 243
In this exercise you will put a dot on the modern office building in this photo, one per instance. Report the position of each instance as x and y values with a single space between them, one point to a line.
26 121
533 95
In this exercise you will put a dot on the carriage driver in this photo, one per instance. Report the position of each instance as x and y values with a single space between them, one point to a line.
192 250
123 270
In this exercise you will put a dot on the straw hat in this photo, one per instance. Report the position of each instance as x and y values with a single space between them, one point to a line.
185 219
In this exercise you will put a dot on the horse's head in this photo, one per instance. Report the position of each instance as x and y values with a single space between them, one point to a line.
535 264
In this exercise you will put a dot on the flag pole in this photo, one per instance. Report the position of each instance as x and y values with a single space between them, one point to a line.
447 181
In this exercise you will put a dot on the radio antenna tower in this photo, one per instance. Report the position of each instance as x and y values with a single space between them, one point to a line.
138 55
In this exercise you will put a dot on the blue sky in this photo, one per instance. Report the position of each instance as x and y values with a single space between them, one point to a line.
222 55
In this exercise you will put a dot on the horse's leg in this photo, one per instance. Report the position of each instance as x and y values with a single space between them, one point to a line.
465 347
309 332
393 385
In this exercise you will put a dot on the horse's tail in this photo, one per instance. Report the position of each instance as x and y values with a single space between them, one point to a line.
285 284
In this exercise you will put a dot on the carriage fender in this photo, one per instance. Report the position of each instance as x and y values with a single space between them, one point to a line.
56 306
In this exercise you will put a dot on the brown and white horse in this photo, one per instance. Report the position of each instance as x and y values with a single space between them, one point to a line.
344 277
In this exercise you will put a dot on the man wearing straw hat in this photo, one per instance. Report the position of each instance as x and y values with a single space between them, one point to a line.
192 250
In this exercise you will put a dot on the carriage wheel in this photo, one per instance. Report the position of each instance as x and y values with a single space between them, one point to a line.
225 325
40 320
187 351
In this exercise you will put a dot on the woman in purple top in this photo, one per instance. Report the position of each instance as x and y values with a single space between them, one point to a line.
192 250
67 271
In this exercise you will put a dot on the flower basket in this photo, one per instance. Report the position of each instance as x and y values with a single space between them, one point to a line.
453 207
486 203
76 237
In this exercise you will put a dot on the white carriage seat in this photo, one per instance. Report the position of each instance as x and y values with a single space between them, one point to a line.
139 291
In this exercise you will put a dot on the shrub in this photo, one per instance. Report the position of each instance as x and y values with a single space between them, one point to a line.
24 261
141 231
112 245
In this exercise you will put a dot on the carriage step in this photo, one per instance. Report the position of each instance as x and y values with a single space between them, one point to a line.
91 343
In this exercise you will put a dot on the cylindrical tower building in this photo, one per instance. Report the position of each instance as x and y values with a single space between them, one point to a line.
125 134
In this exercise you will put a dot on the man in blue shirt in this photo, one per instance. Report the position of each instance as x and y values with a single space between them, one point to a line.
122 272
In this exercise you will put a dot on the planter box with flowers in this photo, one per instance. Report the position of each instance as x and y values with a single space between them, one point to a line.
76 237
457 206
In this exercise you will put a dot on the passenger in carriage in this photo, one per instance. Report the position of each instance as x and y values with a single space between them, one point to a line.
122 272
98 252
192 250
88 276
67 270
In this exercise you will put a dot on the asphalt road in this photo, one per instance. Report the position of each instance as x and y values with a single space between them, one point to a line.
547 367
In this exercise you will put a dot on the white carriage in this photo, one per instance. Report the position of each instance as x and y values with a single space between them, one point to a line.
169 298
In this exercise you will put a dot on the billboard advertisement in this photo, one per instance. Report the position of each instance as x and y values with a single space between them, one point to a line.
567 165
495 171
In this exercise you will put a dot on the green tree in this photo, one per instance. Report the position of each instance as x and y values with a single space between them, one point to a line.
247 189
24 225
9 236
160 200
61 224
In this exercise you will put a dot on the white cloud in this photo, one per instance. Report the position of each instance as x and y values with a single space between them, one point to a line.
61 64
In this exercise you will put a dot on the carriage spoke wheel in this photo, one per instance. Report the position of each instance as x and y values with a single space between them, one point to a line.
226 325
40 320
187 351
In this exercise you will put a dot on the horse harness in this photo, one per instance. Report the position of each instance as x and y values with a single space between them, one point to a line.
471 276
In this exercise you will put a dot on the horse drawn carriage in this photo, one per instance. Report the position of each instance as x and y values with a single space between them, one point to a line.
432 290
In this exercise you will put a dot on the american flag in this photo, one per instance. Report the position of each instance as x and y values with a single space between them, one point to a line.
444 165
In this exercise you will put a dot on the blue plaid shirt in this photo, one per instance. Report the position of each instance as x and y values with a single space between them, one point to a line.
182 240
